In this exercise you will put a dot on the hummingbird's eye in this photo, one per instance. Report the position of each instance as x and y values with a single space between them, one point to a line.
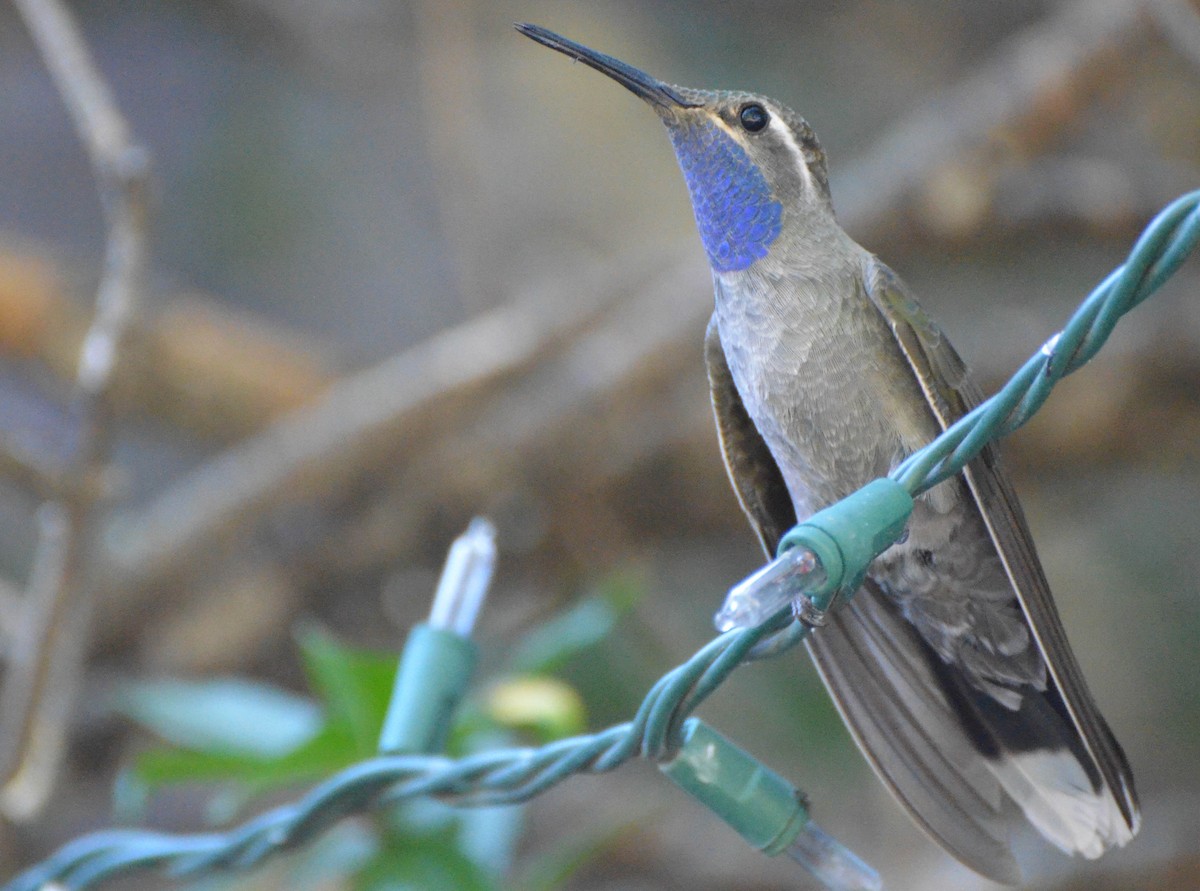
753 117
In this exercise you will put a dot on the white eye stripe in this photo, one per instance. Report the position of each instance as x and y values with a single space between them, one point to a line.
785 134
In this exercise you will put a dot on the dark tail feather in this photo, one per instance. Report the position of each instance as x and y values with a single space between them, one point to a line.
952 755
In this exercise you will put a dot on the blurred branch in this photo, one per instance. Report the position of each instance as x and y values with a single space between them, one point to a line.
51 640
1178 22
628 388
360 423
28 466
191 363
1029 91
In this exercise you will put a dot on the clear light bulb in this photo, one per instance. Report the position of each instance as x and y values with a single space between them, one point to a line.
836 866
465 579
761 595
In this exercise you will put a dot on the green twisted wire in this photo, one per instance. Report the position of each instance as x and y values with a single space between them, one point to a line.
513 775
1157 254
500 777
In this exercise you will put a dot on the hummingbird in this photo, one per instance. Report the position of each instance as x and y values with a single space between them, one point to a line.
950 666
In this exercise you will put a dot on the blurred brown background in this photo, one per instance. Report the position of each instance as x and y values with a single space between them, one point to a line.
408 267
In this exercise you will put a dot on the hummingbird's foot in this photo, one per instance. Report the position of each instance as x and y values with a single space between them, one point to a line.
804 611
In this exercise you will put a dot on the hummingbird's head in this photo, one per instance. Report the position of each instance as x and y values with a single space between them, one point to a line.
745 157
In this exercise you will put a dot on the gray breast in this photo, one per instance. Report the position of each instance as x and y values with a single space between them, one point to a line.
812 363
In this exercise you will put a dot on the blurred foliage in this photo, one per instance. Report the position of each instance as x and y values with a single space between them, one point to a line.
249 738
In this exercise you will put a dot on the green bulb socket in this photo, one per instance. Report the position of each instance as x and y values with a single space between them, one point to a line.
760 804
431 680
848 535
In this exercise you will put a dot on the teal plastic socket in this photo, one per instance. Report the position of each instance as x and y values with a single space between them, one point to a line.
760 804
431 680
848 535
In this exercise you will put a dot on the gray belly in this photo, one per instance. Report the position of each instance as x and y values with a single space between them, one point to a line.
825 391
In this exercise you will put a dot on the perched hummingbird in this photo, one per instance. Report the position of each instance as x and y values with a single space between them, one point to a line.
950 666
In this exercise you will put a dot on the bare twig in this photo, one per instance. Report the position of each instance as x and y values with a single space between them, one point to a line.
47 655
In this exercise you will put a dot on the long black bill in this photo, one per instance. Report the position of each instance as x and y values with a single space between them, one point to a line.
638 82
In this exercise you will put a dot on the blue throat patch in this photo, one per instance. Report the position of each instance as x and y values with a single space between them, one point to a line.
735 213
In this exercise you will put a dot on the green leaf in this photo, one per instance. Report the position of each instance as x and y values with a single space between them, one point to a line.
327 751
354 685
227 715
549 646
552 870
423 863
